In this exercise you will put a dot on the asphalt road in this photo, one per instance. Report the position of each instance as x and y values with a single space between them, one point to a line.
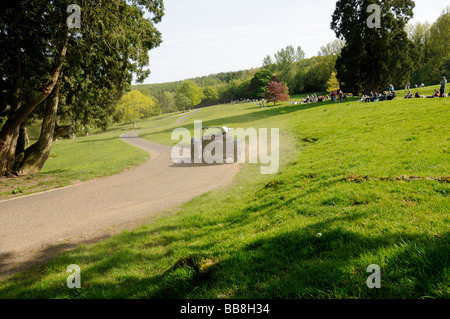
37 227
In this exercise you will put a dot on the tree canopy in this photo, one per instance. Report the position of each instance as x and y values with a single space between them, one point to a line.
87 68
396 53
258 84
192 91
135 105
373 56
285 64
277 91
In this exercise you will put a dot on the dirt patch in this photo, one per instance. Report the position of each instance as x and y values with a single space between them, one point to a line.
353 178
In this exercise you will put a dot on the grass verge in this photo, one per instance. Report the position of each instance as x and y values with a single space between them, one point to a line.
362 184
77 160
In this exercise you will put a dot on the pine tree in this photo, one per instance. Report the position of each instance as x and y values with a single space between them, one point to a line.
373 55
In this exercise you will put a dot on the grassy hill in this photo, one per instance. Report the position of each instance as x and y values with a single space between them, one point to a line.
371 178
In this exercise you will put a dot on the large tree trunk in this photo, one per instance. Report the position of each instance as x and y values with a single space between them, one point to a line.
10 130
9 152
33 158
10 140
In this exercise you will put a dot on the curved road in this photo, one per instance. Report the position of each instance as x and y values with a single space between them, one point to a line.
34 228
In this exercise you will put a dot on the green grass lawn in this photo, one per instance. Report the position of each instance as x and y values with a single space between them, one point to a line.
372 178
77 160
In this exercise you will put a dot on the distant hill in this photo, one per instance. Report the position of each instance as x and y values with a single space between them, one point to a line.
202 81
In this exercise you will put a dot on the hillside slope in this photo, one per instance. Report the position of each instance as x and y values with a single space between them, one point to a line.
359 184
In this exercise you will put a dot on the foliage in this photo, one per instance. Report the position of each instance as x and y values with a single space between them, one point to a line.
236 89
190 90
333 48
431 42
211 95
285 64
314 73
94 64
258 84
277 91
438 52
373 57
166 101
333 83
183 102
135 105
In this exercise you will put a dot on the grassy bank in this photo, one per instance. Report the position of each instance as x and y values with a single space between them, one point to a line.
360 184
77 160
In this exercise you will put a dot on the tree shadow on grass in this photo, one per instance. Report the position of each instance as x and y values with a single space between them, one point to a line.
20 278
97 140
299 265
289 264
12 263
293 264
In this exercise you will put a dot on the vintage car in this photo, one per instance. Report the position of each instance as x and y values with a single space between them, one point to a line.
206 149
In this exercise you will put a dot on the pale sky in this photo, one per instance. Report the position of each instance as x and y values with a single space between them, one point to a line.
203 37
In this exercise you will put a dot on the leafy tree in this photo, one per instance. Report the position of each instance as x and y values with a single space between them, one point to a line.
167 102
431 42
333 83
277 91
236 89
135 105
314 73
30 69
419 34
373 57
183 102
191 91
286 60
42 59
269 64
439 46
332 48
258 84
285 64
211 95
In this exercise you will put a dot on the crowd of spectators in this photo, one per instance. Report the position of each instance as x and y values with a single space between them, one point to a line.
391 94
382 96
314 98
372 97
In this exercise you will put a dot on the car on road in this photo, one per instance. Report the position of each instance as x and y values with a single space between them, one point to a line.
218 147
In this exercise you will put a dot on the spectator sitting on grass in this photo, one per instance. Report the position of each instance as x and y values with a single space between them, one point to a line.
374 97
436 93
409 95
391 94
383 96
